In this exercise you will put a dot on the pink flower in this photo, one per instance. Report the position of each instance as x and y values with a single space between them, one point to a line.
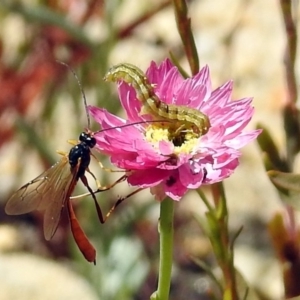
152 159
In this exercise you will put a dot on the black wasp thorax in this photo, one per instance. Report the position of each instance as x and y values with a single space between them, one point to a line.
81 153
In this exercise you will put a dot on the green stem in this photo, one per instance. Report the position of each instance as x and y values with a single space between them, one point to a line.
221 242
290 110
185 31
166 232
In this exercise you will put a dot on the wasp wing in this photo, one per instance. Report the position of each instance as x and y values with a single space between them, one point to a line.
65 185
47 193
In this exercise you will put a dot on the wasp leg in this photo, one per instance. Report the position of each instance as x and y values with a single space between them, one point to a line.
100 189
104 168
73 142
119 201
62 153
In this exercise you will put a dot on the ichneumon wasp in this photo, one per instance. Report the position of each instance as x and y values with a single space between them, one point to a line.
50 192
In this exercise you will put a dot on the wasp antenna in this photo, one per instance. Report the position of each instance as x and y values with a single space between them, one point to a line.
81 90
134 123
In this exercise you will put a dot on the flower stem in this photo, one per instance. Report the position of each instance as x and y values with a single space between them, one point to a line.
185 31
218 233
166 232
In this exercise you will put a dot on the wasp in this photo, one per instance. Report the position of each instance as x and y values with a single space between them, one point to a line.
51 191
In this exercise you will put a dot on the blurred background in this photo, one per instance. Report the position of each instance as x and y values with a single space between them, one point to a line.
41 107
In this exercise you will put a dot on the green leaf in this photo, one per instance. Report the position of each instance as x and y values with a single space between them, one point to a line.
288 185
268 146
285 181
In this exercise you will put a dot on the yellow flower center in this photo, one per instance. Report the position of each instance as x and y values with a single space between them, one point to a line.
184 141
